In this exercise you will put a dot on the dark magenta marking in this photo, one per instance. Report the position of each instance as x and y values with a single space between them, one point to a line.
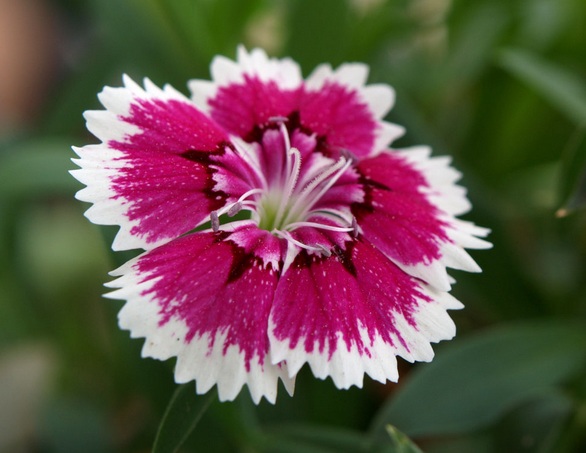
318 300
396 216
334 113
197 283
337 115
239 108
170 126
169 190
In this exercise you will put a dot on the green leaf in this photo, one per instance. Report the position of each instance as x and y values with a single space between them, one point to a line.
181 417
308 438
538 422
572 179
560 87
295 446
475 380
37 168
472 46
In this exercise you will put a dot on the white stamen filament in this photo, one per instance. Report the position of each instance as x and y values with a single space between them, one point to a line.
284 203
285 135
314 248
306 200
334 214
333 179
248 154
293 168
234 208
322 226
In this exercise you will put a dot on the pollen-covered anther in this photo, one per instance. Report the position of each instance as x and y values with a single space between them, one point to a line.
235 209
354 227
348 155
244 202
278 119
215 219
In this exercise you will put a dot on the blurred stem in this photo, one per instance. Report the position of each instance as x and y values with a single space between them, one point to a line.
183 413
240 421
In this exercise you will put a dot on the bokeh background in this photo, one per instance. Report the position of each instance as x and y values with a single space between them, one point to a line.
500 85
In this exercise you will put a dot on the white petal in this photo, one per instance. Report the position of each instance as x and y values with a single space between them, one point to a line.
195 360
225 71
433 273
106 126
201 92
380 98
386 134
318 77
451 199
353 75
347 366
285 72
101 165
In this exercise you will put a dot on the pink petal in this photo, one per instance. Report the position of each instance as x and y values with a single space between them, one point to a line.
338 114
237 171
151 174
346 191
338 106
321 237
352 313
285 72
397 216
408 214
272 156
207 301
247 92
239 107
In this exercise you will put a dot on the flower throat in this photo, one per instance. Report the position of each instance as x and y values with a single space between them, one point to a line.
286 199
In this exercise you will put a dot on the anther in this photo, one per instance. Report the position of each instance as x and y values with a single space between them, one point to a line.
324 250
354 227
215 221
348 155
278 119
235 209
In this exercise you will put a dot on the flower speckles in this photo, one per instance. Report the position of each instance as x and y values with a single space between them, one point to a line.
279 227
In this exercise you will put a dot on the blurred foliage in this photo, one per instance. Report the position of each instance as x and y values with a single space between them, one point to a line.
500 85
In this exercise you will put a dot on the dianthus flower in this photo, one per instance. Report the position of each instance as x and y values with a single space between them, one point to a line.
278 226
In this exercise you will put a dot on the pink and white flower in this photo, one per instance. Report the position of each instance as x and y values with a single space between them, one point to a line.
278 226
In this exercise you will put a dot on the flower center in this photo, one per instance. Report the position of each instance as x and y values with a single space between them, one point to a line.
289 187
